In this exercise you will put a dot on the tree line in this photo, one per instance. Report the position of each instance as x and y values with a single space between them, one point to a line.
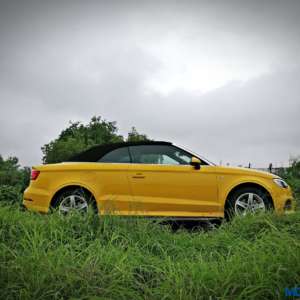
75 138
78 137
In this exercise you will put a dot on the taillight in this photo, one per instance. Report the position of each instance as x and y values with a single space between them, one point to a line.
34 174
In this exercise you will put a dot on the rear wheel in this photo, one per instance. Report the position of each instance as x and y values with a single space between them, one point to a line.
248 200
74 199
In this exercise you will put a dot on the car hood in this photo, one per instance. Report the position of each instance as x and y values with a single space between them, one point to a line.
244 171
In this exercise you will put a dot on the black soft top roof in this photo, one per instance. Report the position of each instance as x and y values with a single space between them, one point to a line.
96 152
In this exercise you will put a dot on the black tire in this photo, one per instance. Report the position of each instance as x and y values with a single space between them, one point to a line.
259 196
80 195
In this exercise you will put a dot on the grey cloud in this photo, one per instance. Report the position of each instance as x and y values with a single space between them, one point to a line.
62 61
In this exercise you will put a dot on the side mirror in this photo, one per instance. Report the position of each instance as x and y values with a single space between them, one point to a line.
195 162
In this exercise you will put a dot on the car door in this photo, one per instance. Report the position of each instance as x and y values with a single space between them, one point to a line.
165 184
114 192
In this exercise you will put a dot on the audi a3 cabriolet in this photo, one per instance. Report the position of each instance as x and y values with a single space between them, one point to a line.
153 179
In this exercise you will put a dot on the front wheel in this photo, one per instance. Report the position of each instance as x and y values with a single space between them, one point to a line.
248 201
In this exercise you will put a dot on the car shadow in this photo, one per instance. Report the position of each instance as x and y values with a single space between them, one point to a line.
193 225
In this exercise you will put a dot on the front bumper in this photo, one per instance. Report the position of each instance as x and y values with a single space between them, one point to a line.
284 201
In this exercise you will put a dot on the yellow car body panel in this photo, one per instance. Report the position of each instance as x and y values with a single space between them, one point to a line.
230 177
172 190
150 189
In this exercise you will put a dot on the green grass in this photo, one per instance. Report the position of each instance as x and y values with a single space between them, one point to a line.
50 257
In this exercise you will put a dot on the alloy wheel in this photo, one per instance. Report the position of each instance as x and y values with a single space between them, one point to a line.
73 203
249 203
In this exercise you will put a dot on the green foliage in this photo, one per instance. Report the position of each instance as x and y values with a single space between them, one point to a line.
12 174
74 139
292 176
61 149
9 171
78 137
50 257
9 194
134 136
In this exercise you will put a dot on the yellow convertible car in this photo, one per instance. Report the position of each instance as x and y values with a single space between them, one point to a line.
153 179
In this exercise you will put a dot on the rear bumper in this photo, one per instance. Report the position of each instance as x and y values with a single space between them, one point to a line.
36 199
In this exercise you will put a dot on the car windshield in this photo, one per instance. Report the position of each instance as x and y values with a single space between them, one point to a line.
197 155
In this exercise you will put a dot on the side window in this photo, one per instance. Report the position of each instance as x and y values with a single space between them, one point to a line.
159 154
120 155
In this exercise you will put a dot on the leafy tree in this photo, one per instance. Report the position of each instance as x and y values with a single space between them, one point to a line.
75 138
61 149
78 137
26 171
11 174
134 136
292 175
9 171
9 194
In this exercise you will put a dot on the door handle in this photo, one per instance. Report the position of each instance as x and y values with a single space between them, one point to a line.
138 176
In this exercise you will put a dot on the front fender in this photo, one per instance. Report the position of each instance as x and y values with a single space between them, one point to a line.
226 186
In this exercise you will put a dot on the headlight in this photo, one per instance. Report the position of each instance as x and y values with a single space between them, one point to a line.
280 182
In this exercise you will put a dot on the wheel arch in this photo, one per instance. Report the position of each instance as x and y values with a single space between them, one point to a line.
70 186
247 184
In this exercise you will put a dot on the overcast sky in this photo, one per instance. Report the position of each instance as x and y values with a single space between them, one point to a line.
219 77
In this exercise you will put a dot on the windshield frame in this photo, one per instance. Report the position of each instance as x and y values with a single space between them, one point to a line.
208 162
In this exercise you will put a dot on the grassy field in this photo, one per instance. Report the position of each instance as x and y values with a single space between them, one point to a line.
50 257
